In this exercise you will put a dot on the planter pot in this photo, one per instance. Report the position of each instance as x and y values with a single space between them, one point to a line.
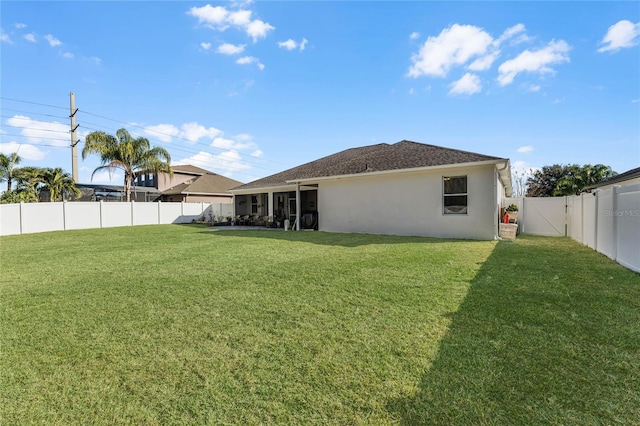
513 217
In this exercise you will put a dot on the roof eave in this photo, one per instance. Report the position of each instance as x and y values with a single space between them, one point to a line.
410 170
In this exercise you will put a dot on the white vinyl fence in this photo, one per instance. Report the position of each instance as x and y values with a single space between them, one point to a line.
606 220
27 218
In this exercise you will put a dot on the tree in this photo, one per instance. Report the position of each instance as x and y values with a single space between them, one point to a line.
60 185
519 179
6 168
132 156
28 180
571 179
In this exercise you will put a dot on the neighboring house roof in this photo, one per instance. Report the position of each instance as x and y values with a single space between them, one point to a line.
188 169
207 183
374 158
628 175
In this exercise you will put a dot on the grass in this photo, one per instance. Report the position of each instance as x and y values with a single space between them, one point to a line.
182 325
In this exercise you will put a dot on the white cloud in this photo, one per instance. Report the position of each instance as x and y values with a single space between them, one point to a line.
453 46
20 25
525 149
292 44
228 161
96 60
537 61
257 153
414 35
49 132
213 16
245 60
4 37
194 132
509 33
162 132
467 85
53 42
621 34
230 49
240 18
411 91
205 45
31 37
67 55
258 29
484 62
26 151
219 18
229 144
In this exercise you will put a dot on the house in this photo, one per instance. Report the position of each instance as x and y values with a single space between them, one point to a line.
630 177
190 184
405 188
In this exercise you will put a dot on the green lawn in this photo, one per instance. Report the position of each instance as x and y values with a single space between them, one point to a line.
185 325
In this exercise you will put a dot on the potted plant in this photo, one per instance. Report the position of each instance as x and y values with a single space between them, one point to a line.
512 211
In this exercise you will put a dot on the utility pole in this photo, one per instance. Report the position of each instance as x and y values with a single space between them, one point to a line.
74 140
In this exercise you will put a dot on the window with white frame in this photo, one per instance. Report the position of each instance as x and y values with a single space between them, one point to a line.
454 190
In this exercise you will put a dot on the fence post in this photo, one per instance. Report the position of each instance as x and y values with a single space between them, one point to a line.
595 231
614 206
21 216
64 215
159 212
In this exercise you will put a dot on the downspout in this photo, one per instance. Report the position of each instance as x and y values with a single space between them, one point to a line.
298 212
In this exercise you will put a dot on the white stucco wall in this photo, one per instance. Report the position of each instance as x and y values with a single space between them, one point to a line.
408 204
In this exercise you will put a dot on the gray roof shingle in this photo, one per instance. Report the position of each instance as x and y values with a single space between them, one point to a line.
374 158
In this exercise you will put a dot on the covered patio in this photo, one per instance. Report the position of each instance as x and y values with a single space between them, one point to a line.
278 207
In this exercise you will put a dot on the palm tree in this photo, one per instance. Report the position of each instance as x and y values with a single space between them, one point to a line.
132 156
6 168
60 184
28 180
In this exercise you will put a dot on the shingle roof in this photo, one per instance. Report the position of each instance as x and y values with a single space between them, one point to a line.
208 183
189 169
373 158
628 175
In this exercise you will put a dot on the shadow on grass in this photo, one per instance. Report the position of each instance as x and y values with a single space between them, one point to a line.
548 334
326 238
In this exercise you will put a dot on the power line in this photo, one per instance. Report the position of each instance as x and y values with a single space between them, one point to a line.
32 113
33 103
38 129
39 137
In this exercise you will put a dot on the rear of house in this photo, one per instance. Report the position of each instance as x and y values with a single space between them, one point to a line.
406 188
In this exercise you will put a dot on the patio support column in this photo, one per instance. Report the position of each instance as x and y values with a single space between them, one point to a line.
298 206
270 206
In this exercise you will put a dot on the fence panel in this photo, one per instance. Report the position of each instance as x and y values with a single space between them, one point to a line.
42 217
589 220
144 213
170 212
544 216
10 219
605 225
627 215
78 215
192 211
574 217
116 214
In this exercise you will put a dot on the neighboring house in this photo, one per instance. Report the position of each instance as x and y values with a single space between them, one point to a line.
190 184
406 188
630 177
100 192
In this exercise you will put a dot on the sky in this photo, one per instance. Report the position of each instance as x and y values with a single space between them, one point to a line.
248 89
